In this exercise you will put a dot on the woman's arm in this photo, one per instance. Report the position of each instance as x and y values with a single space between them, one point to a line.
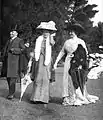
60 55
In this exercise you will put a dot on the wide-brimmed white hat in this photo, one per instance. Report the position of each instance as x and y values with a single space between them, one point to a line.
47 25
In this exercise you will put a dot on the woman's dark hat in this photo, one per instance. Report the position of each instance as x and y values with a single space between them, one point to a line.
78 28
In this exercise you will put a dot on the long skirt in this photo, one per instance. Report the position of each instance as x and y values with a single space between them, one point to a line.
68 92
40 90
79 78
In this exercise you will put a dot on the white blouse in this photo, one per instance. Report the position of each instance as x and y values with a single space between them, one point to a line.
71 45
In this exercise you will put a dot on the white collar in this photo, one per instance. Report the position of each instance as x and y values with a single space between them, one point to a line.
13 38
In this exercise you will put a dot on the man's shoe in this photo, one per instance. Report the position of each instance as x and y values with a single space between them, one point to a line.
10 97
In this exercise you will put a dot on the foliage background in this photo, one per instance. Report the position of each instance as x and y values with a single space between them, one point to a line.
26 15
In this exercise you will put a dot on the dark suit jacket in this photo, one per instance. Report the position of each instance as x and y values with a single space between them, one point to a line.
11 56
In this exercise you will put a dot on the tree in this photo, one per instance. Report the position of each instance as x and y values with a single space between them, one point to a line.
27 15
97 37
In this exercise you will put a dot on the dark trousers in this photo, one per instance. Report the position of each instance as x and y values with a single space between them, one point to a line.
12 85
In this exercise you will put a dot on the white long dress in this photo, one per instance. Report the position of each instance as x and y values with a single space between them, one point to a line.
68 92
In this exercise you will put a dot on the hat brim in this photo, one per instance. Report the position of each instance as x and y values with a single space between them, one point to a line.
40 28
78 28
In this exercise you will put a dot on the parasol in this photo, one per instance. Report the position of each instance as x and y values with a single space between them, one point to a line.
26 80
81 79
78 68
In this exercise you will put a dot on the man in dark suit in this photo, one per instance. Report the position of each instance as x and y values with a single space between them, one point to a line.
12 52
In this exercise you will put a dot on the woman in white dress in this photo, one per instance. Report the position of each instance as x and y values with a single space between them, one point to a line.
71 96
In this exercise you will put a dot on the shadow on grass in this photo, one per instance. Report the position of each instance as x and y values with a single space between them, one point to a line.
56 100
3 92
52 100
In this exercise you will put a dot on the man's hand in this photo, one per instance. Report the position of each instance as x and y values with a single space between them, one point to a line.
11 50
31 54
